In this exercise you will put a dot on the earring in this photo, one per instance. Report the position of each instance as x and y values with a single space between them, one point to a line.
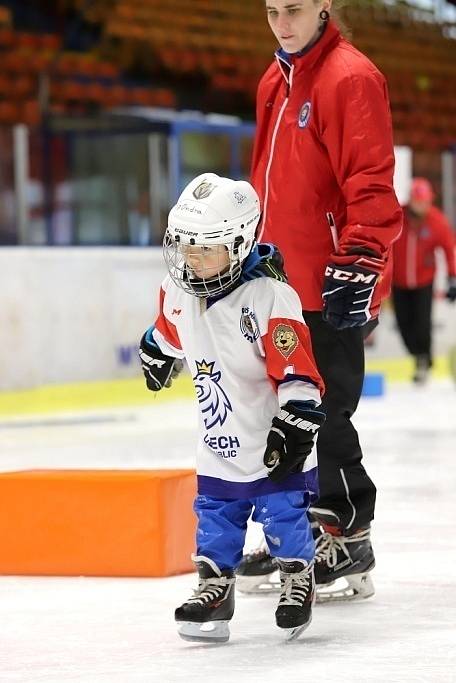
324 15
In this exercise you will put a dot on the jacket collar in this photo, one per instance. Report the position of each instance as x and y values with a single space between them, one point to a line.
308 57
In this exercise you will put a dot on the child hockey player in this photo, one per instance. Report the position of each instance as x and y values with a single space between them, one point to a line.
226 308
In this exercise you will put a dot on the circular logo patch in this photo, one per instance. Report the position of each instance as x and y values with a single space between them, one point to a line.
304 114
249 325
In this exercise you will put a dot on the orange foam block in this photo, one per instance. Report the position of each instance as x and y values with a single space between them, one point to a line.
97 522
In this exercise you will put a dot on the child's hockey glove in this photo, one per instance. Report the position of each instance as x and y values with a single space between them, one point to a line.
159 369
451 291
291 438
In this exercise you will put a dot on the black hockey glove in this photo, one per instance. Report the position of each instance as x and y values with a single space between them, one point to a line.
159 369
291 439
451 291
347 293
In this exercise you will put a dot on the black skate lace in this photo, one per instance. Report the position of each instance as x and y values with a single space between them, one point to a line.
327 546
210 589
295 587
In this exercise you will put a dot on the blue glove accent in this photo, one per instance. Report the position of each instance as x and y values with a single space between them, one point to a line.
149 340
303 405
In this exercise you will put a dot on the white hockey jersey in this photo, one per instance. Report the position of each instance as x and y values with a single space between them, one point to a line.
249 353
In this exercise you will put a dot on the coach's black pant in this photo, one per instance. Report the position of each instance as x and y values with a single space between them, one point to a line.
345 487
413 309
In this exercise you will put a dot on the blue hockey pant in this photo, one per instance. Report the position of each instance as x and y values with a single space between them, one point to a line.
222 526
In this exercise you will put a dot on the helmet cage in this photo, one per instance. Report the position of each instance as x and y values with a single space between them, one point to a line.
175 254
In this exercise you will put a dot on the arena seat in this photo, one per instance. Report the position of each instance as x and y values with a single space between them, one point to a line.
227 46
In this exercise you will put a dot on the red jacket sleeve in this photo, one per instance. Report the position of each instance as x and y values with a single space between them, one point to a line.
357 133
446 240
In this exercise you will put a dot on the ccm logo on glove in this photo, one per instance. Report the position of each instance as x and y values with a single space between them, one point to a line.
347 276
347 294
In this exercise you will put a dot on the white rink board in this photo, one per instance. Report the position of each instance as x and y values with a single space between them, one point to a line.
70 315
77 314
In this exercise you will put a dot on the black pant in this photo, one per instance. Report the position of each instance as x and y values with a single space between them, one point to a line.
345 487
413 309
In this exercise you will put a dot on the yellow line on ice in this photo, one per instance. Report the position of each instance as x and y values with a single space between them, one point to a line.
401 369
90 396
132 392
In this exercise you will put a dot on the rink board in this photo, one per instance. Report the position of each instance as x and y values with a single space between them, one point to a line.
97 522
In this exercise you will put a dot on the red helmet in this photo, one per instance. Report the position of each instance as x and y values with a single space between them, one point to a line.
421 190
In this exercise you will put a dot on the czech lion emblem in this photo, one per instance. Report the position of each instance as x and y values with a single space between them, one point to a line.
214 403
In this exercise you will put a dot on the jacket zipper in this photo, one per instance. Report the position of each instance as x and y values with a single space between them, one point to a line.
411 275
333 229
271 153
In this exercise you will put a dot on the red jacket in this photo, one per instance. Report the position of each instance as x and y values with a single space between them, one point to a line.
324 145
414 251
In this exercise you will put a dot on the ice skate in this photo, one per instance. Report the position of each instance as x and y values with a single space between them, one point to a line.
204 618
342 565
258 572
294 612
422 368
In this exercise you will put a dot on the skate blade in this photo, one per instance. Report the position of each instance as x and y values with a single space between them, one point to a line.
255 585
208 632
292 634
348 588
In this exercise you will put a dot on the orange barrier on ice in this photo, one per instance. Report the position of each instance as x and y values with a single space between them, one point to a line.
97 522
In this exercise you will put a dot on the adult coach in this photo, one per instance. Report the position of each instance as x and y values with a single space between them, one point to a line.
323 167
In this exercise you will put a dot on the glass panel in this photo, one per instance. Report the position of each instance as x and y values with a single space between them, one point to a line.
246 156
156 202
110 186
204 152
48 191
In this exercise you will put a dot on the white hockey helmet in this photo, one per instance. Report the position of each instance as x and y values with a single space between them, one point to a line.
211 211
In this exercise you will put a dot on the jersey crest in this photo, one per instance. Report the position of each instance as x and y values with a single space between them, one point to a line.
249 325
285 339
214 403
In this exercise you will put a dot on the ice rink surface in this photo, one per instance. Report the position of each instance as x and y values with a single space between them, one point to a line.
54 630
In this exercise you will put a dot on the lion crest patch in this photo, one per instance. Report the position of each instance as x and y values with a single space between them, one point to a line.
285 339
